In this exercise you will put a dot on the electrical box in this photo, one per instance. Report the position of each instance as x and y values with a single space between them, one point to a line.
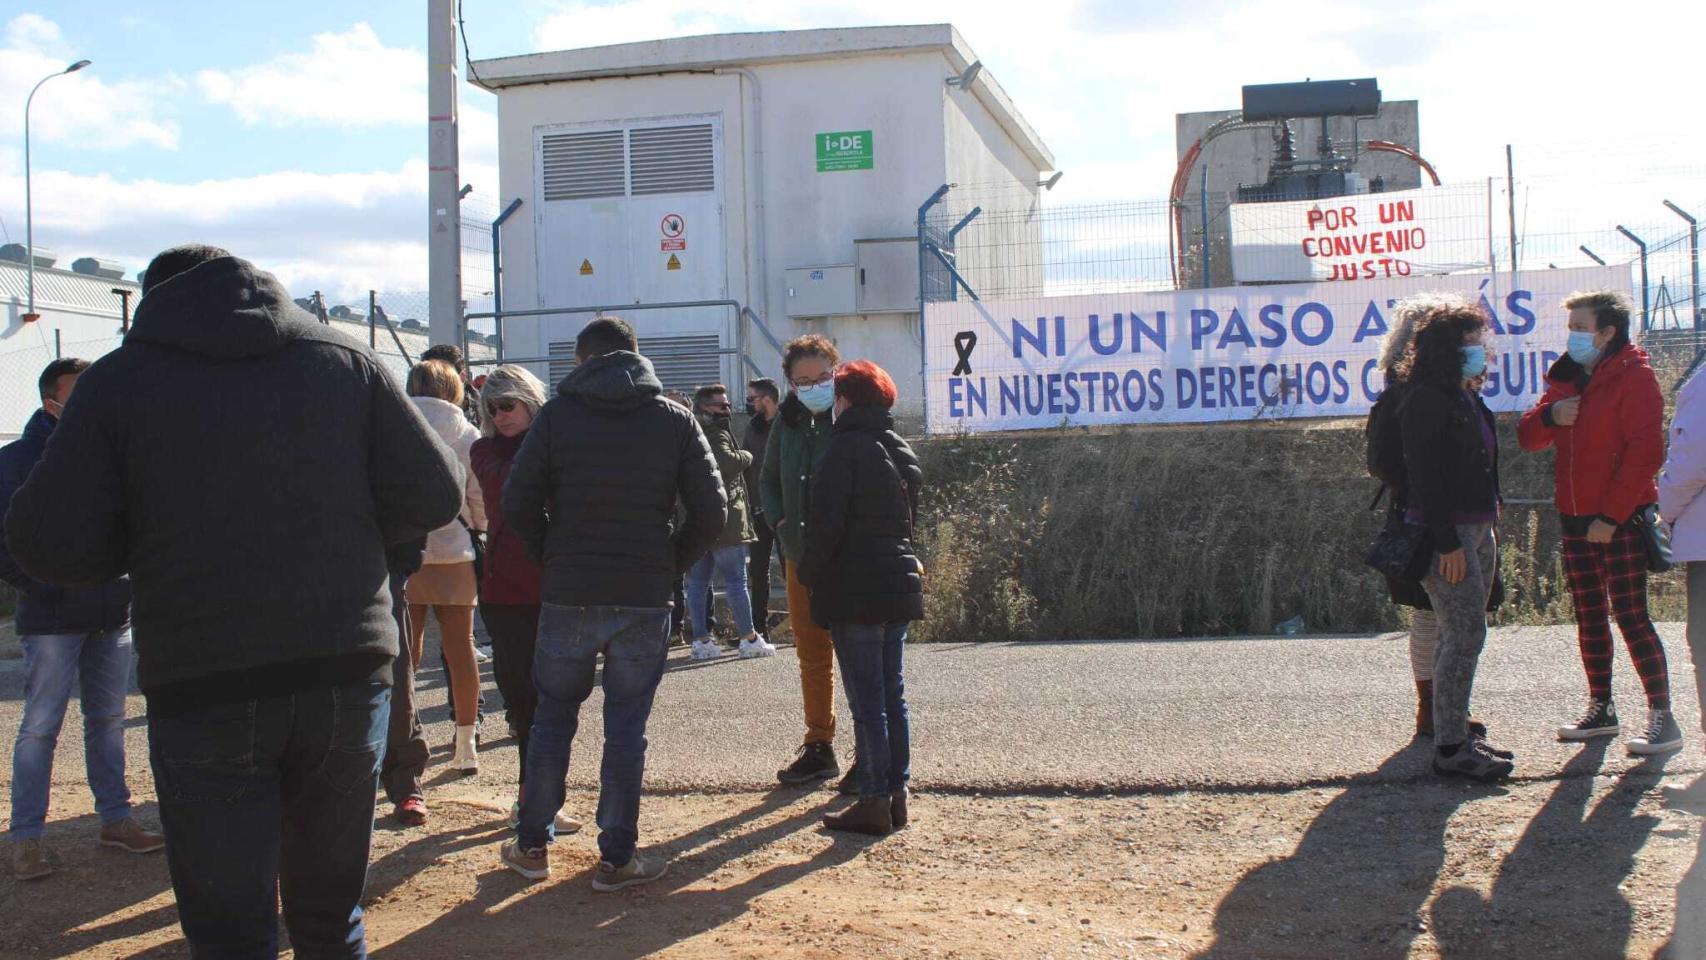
887 275
826 291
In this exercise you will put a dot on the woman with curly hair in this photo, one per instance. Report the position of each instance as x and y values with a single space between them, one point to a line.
1386 464
1451 460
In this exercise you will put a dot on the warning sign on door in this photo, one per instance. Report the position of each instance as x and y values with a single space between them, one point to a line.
674 263
672 243
673 225
586 268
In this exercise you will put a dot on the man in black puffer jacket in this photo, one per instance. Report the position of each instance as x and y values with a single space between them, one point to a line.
248 468
592 495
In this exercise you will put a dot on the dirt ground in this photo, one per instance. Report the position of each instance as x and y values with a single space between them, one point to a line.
1582 867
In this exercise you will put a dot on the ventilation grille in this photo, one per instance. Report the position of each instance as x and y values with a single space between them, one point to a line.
683 363
672 160
583 166
562 362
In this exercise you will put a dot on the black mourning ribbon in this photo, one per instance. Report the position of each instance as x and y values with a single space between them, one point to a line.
964 343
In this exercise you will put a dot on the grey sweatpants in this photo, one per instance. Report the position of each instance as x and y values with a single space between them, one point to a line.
1462 612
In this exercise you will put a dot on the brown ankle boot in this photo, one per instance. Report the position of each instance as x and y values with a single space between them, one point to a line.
897 807
1424 708
871 815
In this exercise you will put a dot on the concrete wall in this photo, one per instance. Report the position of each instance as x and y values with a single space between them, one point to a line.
1242 158
923 135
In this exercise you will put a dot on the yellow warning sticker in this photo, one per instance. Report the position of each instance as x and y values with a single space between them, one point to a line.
674 262
586 268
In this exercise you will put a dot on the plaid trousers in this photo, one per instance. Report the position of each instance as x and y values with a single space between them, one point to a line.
1615 571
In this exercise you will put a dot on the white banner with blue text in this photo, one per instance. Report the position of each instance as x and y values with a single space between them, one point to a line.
1226 354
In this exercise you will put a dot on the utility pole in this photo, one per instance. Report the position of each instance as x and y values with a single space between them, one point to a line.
444 222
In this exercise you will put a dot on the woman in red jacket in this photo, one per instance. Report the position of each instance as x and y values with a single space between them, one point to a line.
510 594
1604 413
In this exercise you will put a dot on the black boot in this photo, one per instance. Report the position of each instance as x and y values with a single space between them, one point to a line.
869 815
897 807
816 761
849 785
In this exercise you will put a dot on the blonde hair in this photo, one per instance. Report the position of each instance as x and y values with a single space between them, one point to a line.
510 382
435 378
1406 318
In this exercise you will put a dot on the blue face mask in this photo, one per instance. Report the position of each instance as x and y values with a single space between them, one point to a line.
1582 349
817 398
1474 360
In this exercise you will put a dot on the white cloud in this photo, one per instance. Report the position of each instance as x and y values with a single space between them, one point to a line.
346 79
83 108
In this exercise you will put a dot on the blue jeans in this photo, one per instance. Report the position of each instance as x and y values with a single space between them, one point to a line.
269 800
870 655
101 661
635 644
730 565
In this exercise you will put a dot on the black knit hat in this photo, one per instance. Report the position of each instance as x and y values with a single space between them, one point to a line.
169 263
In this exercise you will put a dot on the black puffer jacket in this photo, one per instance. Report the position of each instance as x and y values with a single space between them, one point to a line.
42 607
249 468
593 490
1446 459
859 561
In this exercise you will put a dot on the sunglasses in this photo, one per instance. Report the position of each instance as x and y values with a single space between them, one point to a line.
814 383
502 406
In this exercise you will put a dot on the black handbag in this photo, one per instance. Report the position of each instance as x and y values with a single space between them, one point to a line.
479 542
1401 549
1655 538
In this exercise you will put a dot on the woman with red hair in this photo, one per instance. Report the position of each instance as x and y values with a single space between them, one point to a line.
866 583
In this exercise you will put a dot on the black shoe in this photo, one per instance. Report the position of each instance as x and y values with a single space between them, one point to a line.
849 785
1472 760
816 761
1478 733
1600 720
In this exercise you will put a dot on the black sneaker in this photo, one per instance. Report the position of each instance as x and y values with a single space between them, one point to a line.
1472 760
816 761
1478 733
1600 720
849 785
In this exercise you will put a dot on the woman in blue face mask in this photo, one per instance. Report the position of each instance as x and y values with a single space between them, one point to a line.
799 439
1451 460
1604 413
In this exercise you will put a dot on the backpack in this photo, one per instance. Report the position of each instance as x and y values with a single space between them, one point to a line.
1385 442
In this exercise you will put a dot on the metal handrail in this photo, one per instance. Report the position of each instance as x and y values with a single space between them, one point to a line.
744 315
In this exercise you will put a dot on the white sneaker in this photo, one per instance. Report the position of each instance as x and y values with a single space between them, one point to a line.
466 756
564 823
482 655
706 649
756 646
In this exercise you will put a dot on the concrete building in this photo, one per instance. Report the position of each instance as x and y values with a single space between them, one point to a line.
783 171
1242 158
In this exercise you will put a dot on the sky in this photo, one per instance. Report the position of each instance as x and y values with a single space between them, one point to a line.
298 140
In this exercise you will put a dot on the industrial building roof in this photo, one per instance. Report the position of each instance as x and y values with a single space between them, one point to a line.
76 292
708 52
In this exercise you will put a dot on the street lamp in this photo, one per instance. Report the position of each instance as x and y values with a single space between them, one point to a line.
30 314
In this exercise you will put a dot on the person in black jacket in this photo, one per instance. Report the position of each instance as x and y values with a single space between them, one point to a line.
592 495
1451 459
249 468
1386 464
763 401
75 633
866 583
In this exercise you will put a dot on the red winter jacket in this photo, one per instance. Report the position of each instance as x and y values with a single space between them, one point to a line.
512 576
1608 461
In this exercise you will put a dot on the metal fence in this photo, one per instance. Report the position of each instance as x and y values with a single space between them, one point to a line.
990 241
